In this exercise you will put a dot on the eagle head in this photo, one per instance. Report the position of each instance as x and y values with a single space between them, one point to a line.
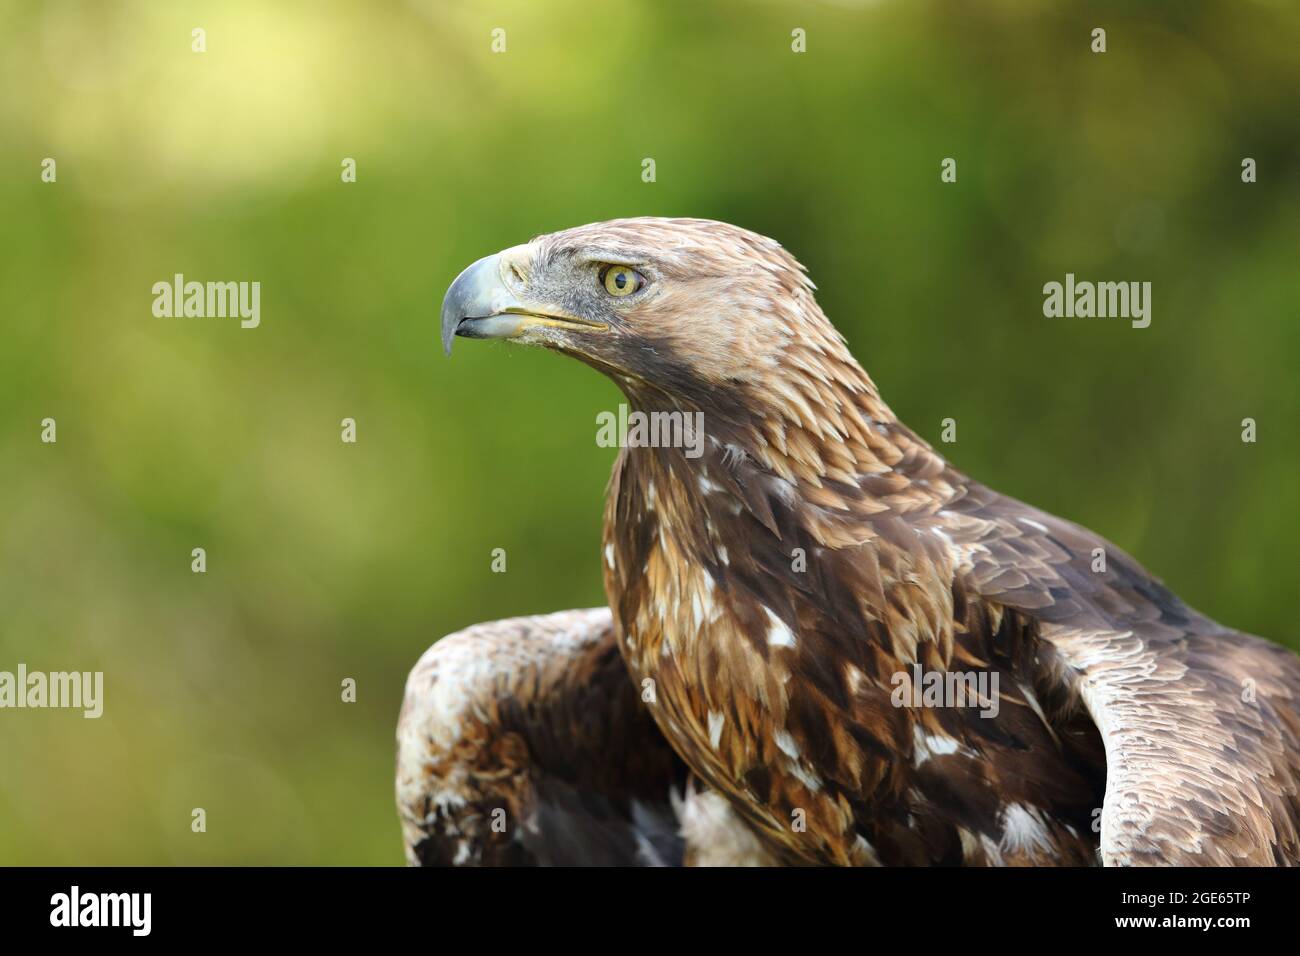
689 308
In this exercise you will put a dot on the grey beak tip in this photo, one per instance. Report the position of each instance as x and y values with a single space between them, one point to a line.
451 316
476 293
455 304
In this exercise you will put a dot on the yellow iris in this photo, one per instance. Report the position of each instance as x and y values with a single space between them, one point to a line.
621 281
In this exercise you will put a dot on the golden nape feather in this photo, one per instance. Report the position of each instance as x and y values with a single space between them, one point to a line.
858 654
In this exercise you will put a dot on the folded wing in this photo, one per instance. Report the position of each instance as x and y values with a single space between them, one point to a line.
1201 724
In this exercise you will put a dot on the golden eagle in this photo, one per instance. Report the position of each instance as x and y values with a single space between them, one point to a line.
825 645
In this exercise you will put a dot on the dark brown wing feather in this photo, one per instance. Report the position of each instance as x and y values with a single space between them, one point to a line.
1201 723
532 724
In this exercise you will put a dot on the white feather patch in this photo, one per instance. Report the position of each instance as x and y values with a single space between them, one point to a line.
778 635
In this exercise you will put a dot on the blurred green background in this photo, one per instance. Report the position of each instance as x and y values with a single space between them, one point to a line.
328 561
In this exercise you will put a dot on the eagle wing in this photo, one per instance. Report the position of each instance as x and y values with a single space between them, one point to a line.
1200 723
525 742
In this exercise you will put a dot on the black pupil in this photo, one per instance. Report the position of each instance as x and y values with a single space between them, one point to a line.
620 279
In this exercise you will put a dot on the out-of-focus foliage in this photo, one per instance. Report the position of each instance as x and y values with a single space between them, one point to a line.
328 561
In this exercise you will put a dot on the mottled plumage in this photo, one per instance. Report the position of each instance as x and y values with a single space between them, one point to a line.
779 588
531 724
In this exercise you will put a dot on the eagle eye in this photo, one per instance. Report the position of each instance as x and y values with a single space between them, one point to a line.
620 281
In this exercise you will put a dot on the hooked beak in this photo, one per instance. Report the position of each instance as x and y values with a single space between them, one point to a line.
479 305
